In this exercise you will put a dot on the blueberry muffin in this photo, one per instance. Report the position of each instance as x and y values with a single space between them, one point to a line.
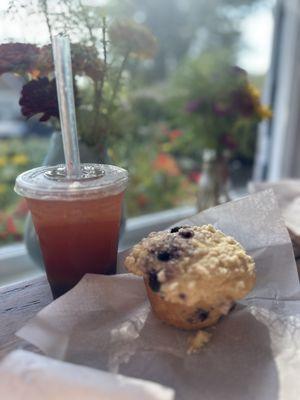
193 274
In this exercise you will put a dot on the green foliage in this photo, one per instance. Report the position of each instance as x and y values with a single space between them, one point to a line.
16 156
151 190
156 179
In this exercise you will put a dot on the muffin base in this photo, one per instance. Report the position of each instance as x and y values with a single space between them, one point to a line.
185 317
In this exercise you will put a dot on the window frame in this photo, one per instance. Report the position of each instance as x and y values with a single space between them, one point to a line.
279 139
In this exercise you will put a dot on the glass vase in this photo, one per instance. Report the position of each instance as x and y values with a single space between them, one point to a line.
214 183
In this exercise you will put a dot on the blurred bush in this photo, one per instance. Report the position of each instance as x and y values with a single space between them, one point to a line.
16 156
157 181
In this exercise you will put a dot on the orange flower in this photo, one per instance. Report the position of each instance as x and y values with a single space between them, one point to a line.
166 163
10 225
173 135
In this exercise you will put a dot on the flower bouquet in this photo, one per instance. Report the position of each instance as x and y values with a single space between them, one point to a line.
101 50
219 111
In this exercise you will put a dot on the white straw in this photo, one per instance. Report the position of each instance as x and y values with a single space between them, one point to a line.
64 84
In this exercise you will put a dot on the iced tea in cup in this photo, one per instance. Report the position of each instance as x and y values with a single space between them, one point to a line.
77 221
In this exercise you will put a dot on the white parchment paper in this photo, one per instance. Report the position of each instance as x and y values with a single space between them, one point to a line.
106 322
287 193
26 375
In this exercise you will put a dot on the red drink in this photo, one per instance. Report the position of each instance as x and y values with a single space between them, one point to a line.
78 229
77 237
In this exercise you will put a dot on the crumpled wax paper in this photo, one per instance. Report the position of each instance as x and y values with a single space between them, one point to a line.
26 375
254 353
287 193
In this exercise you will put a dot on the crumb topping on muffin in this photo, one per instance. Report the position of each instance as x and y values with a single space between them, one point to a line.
188 264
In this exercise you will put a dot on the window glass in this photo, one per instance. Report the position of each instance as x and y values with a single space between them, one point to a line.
162 88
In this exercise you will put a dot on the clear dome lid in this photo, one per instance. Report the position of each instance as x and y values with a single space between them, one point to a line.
51 183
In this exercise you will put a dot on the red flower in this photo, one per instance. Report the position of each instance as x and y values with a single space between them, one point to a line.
194 176
173 135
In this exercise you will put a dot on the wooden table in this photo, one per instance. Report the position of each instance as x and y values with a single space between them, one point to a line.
18 303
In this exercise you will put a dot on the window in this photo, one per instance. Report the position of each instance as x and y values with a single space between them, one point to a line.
277 155
144 118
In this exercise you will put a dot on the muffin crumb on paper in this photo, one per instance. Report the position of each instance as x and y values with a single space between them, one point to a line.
197 341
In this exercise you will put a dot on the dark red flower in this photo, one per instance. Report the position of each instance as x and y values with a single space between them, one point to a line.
17 57
194 176
221 108
243 102
39 96
229 141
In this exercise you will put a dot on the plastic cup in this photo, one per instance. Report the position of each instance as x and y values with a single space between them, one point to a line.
77 222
